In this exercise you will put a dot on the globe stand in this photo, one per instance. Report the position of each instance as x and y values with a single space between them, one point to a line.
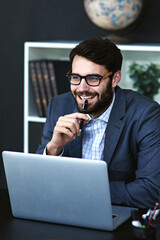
117 39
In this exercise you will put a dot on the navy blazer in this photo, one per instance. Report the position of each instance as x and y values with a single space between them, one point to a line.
132 145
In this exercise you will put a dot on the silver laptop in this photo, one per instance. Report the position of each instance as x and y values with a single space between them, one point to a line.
61 190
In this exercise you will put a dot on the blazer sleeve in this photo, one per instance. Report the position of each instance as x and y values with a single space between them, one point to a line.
47 130
58 106
144 191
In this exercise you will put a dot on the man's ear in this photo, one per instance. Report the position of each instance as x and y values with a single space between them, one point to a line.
116 78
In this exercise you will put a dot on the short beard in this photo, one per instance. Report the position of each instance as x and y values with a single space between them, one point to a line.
102 105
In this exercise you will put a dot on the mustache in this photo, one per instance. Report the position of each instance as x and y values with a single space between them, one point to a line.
85 94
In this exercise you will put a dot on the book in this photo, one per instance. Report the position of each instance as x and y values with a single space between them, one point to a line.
35 88
51 71
41 87
46 80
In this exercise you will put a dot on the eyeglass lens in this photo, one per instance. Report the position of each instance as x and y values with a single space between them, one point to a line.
90 79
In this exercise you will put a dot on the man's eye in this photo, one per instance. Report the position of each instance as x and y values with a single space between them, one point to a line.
93 78
75 77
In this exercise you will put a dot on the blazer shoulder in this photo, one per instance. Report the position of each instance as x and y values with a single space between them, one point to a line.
129 102
64 96
138 98
61 105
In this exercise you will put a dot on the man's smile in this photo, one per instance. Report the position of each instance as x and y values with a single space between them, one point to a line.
86 97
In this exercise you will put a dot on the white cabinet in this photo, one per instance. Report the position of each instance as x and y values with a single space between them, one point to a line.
35 51
59 51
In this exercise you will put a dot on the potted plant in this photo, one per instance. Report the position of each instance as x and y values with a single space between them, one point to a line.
146 78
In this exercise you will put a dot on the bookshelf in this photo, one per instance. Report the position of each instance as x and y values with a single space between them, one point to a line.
59 52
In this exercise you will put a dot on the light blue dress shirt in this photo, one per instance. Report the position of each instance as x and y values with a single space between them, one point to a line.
94 136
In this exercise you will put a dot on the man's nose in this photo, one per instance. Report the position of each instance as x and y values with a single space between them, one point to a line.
83 86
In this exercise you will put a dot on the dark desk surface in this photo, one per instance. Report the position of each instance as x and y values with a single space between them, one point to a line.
18 229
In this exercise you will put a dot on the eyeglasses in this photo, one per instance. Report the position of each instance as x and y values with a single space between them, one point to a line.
91 79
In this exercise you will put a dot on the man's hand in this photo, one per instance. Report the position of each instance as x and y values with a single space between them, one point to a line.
66 129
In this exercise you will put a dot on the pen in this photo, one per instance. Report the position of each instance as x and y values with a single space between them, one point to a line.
151 219
146 217
84 111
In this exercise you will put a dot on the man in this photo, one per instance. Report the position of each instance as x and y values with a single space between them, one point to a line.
121 127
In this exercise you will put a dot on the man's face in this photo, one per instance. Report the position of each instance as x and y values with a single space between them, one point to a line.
99 97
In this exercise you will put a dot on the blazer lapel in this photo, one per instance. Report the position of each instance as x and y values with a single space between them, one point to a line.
75 147
115 125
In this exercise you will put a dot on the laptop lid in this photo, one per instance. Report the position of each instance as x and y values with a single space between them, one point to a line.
61 190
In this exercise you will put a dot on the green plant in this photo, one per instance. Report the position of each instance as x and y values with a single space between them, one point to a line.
146 78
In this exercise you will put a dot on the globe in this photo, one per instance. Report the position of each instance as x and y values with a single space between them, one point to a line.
113 14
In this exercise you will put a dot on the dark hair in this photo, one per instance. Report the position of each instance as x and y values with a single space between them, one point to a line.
101 51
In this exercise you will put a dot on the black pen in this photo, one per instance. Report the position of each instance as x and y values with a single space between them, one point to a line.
84 111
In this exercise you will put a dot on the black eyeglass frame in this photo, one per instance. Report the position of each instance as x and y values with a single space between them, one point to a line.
69 74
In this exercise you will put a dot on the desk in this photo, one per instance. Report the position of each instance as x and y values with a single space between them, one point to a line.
18 229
